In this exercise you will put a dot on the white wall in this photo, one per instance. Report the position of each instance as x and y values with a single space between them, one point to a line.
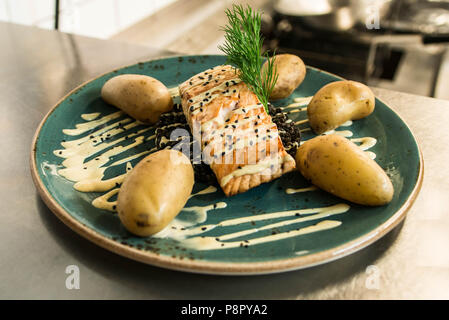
95 18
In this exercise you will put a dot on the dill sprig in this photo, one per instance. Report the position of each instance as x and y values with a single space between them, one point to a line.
243 46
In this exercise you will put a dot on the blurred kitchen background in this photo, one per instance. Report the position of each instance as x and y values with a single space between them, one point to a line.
394 44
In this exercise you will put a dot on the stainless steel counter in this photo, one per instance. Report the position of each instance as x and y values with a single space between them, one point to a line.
38 67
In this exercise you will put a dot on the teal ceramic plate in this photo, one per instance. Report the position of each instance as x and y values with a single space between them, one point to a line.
396 151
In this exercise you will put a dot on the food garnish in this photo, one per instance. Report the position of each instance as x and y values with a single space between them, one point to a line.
243 47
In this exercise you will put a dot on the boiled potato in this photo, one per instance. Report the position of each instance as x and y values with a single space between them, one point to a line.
154 192
339 166
291 70
142 97
338 102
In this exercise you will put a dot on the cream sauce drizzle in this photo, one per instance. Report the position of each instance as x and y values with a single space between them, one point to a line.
84 127
103 202
271 163
182 230
301 121
365 142
208 190
201 211
343 133
300 190
211 243
90 116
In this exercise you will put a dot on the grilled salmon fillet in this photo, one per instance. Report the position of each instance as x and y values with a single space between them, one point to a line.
238 138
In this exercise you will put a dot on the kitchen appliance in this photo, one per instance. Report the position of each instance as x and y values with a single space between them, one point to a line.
395 44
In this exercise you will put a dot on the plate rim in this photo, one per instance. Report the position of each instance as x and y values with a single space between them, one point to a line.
210 267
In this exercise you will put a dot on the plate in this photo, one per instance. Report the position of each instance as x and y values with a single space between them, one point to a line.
280 230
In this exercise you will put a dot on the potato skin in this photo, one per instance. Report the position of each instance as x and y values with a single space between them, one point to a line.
338 102
142 97
154 192
338 166
291 70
